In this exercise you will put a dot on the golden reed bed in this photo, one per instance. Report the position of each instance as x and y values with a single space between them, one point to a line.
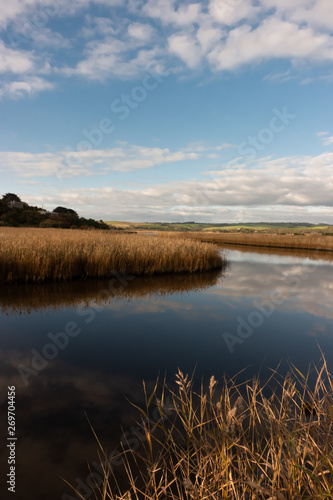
250 441
38 255
302 242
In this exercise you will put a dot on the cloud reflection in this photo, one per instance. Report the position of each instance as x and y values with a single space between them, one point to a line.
150 326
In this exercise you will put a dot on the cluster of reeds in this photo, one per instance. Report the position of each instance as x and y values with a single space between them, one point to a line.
38 255
305 242
241 442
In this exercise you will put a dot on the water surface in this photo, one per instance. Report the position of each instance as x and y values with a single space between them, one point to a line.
138 328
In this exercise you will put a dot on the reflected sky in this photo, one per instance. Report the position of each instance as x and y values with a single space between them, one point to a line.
150 327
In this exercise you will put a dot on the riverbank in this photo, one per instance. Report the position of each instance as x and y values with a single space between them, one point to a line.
316 242
40 255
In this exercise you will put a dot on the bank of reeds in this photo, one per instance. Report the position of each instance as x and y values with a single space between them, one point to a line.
39 255
235 443
301 241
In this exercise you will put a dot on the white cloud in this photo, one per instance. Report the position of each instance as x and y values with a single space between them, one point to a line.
102 58
227 34
66 164
165 203
230 12
186 48
141 32
15 61
41 11
317 13
328 141
296 187
29 164
208 36
225 145
279 77
114 57
100 26
165 11
272 39
47 38
10 10
26 87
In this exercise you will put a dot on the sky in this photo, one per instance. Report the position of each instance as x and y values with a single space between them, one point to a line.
159 110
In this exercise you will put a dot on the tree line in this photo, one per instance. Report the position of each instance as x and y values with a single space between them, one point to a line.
16 213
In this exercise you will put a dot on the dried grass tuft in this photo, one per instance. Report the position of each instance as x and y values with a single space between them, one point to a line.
234 443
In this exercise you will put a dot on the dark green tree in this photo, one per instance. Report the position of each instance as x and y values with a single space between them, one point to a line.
65 211
10 197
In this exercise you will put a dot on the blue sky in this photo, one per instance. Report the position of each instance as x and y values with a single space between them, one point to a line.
158 110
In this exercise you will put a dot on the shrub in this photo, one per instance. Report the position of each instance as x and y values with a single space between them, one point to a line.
48 223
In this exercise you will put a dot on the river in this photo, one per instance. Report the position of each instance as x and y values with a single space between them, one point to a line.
80 351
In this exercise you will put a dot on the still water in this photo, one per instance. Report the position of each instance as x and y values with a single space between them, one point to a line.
81 350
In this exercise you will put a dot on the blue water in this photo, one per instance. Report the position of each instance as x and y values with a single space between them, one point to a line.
283 304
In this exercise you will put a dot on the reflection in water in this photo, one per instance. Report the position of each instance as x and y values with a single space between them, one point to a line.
149 327
312 255
29 297
305 285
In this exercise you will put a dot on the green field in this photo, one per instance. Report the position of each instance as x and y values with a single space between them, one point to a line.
261 227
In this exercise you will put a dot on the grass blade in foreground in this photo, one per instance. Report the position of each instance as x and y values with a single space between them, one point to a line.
236 443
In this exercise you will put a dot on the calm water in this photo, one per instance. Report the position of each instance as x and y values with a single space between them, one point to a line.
264 309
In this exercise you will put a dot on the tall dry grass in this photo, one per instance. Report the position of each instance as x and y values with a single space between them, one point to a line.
303 242
235 443
38 255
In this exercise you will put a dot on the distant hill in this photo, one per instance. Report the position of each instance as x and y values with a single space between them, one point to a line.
247 227
16 213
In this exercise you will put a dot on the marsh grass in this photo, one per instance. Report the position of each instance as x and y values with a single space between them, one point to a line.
301 241
238 442
38 255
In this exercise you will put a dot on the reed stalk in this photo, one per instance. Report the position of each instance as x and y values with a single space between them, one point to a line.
239 442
